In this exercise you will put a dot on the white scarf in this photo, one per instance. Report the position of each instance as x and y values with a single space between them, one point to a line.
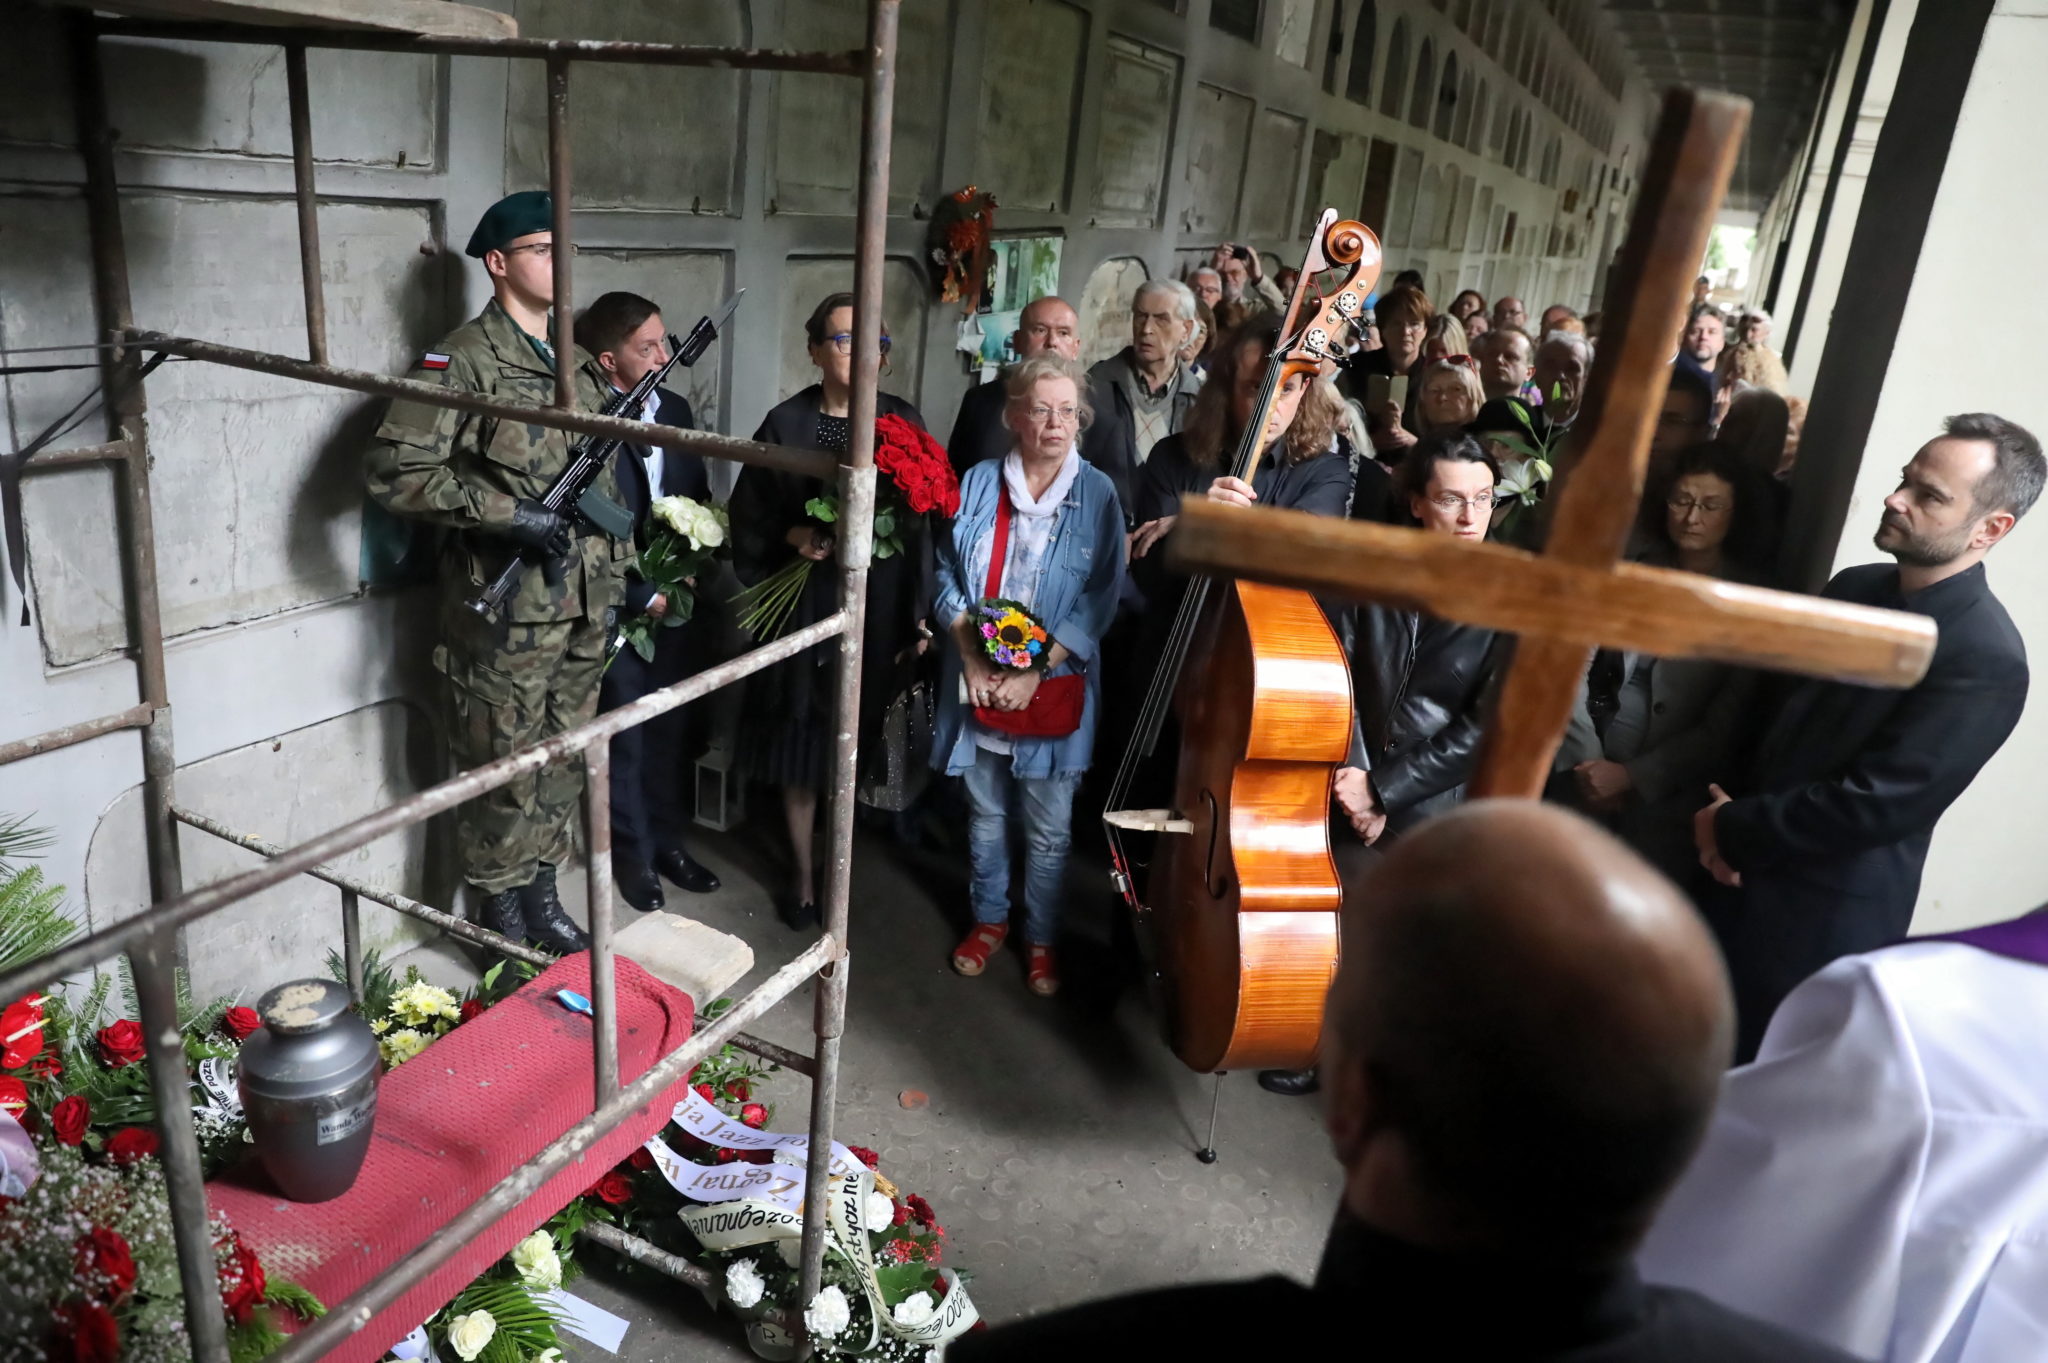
1032 522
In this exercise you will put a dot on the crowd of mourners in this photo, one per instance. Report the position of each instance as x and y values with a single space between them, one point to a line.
1524 1042
1072 478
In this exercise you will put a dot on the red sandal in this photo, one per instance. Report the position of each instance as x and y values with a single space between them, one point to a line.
971 956
1042 971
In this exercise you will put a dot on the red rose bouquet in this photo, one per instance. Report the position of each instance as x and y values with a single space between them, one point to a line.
917 479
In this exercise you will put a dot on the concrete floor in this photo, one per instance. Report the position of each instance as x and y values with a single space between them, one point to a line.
1058 1144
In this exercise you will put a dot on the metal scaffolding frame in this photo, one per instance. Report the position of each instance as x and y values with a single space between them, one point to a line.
150 938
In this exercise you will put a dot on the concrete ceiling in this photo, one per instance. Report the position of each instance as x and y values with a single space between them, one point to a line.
1775 52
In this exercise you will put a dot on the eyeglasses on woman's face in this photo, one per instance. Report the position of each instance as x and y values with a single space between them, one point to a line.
1451 503
1682 505
1042 415
842 341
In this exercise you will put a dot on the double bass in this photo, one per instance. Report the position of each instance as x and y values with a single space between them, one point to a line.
1238 914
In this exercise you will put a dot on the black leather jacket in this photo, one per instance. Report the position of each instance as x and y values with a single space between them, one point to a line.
1423 687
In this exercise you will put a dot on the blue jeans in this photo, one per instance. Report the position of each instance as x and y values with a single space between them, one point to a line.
1045 806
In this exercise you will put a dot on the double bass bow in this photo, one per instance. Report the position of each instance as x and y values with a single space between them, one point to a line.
1239 910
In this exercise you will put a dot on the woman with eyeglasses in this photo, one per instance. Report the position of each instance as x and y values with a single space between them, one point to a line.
1666 725
1421 684
1041 527
787 710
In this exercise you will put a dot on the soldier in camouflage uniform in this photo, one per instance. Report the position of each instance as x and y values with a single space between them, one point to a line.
532 670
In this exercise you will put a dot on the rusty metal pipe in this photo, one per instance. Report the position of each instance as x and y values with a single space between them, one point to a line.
564 253
364 40
151 963
673 1265
446 922
856 545
809 463
347 1317
127 424
352 944
83 456
309 206
134 717
458 927
186 908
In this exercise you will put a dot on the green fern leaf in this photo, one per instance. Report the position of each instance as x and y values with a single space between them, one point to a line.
32 918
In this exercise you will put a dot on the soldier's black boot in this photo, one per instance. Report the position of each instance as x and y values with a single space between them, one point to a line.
547 922
501 913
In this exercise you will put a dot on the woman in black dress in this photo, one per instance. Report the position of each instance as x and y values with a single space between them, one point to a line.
786 724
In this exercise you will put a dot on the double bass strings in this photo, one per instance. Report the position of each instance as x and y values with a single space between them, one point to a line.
1166 676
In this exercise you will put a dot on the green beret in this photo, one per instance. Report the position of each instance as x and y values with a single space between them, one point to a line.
510 218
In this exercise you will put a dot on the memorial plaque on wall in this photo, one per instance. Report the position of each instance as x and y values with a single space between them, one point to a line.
1139 90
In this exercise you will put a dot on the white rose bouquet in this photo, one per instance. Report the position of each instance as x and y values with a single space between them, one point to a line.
683 537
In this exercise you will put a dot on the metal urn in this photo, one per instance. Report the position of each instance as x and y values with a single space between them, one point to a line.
308 1081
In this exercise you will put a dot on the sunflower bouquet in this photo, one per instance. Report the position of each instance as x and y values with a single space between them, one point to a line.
1011 636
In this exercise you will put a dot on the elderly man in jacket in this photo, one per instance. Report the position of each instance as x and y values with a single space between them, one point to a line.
1149 389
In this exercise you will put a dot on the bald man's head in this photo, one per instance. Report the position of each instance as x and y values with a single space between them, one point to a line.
1048 324
1526 1037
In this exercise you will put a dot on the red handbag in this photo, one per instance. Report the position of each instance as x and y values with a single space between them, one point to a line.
1055 708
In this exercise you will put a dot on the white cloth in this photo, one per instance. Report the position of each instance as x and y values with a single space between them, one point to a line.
1878 1178
654 459
1032 522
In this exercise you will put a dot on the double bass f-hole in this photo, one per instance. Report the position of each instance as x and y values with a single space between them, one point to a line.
1213 875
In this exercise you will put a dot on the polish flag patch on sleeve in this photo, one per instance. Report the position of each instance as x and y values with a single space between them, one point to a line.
433 361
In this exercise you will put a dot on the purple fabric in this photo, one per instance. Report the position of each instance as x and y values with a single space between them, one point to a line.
2023 939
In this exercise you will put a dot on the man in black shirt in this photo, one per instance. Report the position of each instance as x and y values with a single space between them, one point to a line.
1827 839
1049 325
1523 1047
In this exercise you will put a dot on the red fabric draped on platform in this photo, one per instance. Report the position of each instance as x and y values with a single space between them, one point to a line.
451 1124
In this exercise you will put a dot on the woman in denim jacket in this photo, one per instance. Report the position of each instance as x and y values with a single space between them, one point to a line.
1065 562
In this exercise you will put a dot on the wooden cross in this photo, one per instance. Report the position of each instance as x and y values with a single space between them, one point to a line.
1577 595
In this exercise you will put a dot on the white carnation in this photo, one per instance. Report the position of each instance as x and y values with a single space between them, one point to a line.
828 1314
468 1335
743 1285
878 1212
914 1310
538 1264
794 1158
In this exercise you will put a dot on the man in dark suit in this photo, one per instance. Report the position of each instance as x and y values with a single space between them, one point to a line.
1523 1045
1827 844
625 332
1049 324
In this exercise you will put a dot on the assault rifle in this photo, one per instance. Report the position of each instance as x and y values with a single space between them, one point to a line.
574 492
